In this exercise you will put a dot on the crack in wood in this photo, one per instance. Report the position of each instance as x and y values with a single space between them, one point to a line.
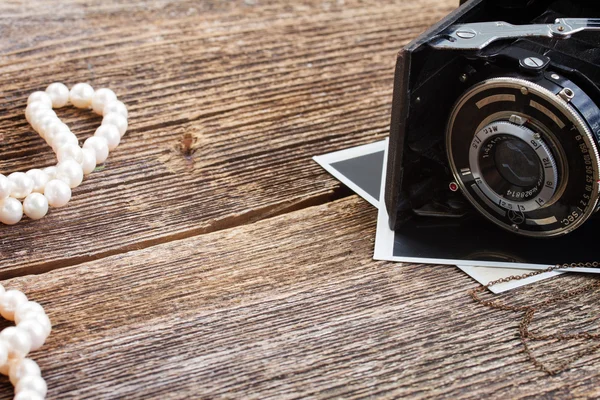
228 222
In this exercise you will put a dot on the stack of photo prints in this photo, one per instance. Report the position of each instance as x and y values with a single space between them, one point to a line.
477 247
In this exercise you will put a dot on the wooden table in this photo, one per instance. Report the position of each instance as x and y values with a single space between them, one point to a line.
211 258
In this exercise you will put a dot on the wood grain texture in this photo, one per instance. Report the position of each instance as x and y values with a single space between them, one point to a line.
252 89
212 258
293 307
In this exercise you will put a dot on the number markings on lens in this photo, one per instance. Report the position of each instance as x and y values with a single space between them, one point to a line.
547 163
488 201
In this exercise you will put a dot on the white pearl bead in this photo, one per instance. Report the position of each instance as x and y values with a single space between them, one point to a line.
51 171
89 161
11 211
70 172
22 185
39 96
81 95
36 331
116 119
42 115
39 178
28 395
27 315
32 383
10 301
22 368
35 206
40 112
17 341
101 98
58 193
115 106
44 121
99 145
3 353
5 187
27 309
40 318
54 129
59 94
34 108
69 152
111 133
63 138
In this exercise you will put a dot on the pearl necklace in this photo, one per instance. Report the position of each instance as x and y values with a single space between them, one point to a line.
38 189
31 331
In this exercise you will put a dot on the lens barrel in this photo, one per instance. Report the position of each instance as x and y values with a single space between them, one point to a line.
524 154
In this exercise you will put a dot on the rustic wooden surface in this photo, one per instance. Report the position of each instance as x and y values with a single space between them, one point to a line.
212 258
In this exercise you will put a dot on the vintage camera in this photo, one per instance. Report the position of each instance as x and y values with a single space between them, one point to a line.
496 111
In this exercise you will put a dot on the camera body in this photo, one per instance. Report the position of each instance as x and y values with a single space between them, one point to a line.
508 129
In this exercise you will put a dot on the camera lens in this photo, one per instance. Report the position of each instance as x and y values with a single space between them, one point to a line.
512 166
517 162
524 156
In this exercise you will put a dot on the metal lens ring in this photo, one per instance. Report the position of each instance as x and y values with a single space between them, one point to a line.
520 196
535 170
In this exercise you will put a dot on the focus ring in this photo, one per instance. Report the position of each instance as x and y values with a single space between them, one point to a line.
549 174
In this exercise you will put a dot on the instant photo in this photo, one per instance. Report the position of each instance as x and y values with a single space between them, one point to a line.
361 167
474 241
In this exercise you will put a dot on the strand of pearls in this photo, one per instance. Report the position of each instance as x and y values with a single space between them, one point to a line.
32 192
32 328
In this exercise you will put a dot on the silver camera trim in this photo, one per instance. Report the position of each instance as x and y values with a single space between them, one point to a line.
478 35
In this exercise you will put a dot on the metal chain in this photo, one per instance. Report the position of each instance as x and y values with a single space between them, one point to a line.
529 311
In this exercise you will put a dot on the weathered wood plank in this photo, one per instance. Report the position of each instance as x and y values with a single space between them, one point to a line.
254 88
293 307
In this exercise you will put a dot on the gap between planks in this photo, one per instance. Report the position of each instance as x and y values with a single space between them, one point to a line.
228 222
